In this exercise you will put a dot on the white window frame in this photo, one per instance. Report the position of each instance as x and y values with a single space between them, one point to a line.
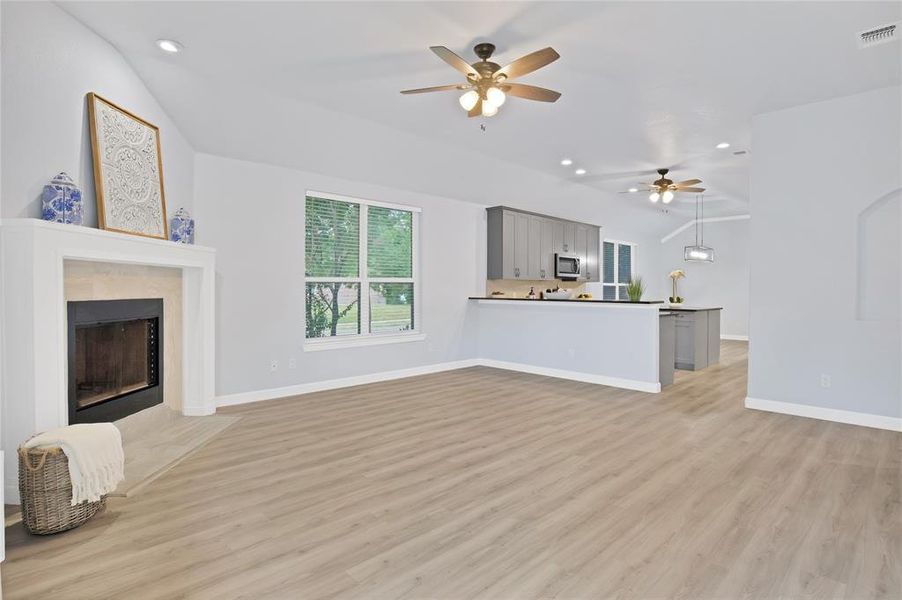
616 285
365 337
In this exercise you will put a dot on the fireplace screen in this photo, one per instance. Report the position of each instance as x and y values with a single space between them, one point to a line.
114 359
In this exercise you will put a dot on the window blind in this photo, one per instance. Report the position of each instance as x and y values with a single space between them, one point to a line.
389 242
624 263
332 238
608 262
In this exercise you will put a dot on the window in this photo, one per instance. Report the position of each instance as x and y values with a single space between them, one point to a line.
360 272
617 268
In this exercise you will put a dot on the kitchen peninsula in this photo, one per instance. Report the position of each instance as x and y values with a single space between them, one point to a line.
596 341
607 342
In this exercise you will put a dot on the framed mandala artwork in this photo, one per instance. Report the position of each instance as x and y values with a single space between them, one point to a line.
128 170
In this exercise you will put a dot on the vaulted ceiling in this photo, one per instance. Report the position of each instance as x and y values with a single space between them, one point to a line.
644 84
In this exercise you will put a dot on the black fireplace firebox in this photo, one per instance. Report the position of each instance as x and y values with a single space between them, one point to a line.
115 358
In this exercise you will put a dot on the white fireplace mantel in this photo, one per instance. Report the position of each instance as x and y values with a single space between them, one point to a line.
34 329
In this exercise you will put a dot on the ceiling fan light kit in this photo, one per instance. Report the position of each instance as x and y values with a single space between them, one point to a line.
489 84
663 189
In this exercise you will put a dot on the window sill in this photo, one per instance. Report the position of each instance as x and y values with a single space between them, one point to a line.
361 341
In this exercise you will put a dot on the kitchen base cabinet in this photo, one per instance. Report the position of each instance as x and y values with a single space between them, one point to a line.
667 339
697 334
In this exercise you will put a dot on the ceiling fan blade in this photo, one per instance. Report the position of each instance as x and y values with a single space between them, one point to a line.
696 190
688 182
476 111
455 61
440 88
530 92
529 63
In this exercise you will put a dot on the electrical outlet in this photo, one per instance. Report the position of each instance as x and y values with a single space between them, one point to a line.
825 380
292 363
274 365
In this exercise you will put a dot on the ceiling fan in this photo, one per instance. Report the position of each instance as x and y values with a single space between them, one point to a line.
488 84
663 189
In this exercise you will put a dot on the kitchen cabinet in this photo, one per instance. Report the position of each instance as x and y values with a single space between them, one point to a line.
534 248
581 238
697 339
546 260
508 250
569 242
522 245
593 271
557 233
667 340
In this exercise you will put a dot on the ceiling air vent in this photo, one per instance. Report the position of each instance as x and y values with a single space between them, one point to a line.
878 35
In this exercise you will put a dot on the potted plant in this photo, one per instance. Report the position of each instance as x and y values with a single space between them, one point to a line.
676 300
635 289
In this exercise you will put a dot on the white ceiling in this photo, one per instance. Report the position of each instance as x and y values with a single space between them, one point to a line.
644 84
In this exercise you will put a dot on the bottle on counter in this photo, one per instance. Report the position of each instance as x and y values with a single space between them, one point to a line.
532 294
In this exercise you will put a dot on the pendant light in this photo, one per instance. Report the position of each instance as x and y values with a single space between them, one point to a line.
699 252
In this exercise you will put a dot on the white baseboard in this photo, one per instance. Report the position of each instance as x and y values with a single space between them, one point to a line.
332 384
734 337
628 384
826 414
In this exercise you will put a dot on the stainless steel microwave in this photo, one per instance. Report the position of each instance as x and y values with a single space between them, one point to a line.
566 267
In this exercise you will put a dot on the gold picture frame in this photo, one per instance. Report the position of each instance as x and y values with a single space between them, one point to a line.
128 171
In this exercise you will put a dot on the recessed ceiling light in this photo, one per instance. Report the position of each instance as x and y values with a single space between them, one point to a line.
580 171
633 190
169 46
723 145
566 162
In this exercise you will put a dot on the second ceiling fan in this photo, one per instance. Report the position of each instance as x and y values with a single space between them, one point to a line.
488 83
663 188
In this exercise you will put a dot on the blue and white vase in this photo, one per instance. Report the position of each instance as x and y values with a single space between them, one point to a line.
61 201
181 227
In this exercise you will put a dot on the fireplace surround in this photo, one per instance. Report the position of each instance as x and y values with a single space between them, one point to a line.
115 355
35 382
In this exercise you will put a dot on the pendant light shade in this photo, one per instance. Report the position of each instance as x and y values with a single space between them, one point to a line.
699 252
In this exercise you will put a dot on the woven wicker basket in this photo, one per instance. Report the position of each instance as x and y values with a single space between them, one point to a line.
46 491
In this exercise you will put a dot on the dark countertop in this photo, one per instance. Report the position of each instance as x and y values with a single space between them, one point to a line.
690 308
595 300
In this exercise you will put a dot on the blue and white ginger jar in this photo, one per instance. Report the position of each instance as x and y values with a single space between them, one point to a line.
61 201
181 227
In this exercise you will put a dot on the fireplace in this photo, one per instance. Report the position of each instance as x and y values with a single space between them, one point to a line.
115 358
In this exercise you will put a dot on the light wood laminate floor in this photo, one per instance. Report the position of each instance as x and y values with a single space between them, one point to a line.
493 484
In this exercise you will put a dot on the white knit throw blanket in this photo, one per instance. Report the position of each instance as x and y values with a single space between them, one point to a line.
96 460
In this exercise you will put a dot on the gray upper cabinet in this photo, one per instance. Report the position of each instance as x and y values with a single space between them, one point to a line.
569 245
534 248
522 245
557 234
581 249
507 247
547 257
592 271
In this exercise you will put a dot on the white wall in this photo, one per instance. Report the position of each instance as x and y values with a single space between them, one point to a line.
254 215
725 282
804 251
50 62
